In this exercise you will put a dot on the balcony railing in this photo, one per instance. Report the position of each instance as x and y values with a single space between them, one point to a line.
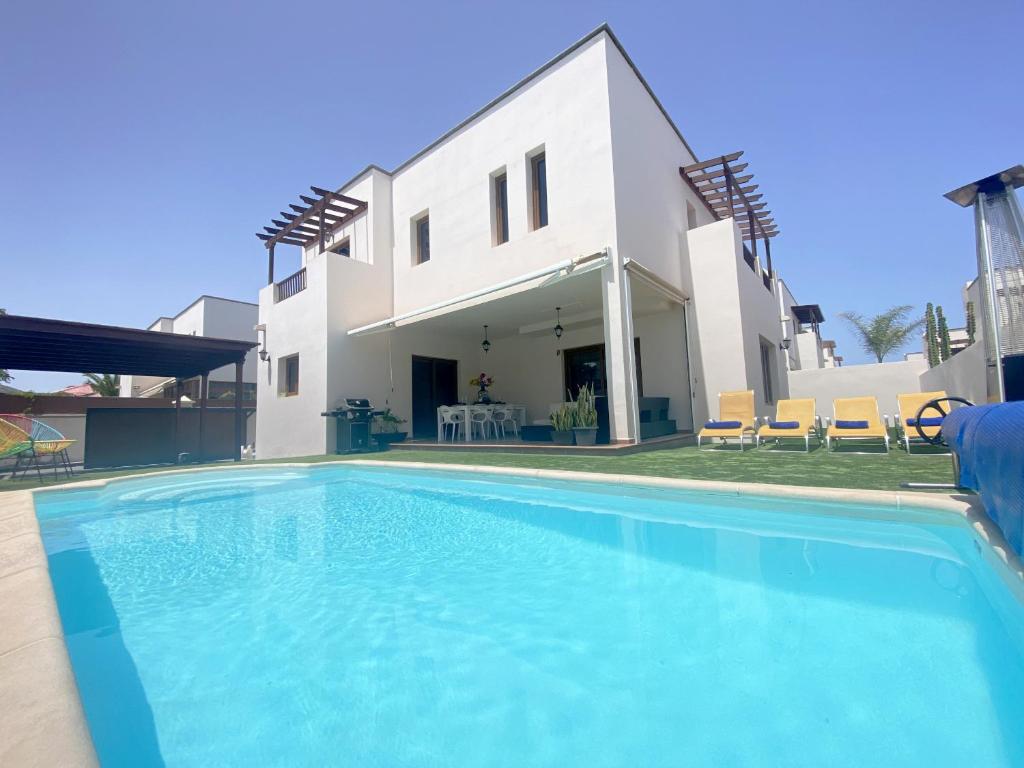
290 286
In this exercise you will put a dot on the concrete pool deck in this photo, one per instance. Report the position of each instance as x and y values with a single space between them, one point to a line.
43 720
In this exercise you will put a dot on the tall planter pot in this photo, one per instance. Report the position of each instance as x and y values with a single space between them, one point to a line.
585 435
562 436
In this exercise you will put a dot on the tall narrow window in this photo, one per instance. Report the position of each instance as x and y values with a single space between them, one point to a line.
290 376
422 245
767 365
500 209
539 178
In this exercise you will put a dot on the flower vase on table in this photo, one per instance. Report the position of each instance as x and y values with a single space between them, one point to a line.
482 382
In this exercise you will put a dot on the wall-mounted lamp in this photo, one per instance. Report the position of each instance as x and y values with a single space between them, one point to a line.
784 345
485 344
261 341
558 323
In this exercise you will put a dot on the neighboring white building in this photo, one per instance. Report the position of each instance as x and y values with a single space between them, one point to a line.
565 192
206 316
801 333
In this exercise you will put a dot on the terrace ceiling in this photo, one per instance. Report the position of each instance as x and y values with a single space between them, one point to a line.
727 191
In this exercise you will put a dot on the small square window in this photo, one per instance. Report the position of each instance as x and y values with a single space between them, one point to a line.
289 374
343 248
421 246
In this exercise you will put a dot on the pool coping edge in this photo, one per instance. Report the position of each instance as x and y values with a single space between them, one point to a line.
46 656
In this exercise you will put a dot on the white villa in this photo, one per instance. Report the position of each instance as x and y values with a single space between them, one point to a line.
571 200
206 316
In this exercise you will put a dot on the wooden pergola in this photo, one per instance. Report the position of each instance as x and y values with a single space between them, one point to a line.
314 222
727 192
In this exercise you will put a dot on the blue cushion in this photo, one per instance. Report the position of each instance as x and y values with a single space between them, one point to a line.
723 424
784 424
848 424
927 421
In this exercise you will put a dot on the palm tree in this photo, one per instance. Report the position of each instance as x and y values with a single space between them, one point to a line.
886 332
104 385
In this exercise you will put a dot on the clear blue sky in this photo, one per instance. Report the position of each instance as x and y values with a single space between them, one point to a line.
143 144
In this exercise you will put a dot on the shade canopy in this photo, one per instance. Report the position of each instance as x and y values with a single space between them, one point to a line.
808 314
41 344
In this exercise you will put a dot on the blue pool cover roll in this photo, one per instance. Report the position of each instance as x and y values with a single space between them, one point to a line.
989 442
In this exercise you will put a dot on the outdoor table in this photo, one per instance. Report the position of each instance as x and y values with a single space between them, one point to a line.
519 412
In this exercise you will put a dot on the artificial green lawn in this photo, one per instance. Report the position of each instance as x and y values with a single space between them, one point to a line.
762 465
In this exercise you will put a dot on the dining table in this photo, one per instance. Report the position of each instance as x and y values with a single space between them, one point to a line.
517 409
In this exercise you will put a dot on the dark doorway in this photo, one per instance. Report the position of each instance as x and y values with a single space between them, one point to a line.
435 382
585 365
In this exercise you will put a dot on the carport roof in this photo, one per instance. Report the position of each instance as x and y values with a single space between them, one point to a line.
42 344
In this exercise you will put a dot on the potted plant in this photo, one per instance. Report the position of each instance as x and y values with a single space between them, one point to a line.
562 422
585 425
385 429
482 382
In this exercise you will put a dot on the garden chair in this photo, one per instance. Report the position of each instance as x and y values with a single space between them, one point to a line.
735 418
45 441
14 441
793 419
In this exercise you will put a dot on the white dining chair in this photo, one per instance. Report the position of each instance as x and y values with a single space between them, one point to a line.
450 417
502 416
480 418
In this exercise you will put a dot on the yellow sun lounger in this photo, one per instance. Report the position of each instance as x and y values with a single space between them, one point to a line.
909 405
735 418
856 418
794 419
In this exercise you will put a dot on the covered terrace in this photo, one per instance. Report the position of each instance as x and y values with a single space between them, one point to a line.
540 336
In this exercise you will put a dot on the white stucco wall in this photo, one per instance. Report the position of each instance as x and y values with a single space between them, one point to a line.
963 375
731 312
882 380
565 111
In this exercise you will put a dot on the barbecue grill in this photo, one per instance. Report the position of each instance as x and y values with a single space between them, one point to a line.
353 416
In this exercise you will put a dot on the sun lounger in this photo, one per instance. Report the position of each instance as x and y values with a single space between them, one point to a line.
735 418
856 418
793 419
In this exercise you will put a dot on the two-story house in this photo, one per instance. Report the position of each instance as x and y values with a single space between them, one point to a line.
565 233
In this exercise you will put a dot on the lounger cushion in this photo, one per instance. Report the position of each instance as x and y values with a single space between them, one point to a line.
784 424
723 424
928 421
852 423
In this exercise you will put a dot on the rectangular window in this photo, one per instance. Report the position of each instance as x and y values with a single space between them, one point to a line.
691 216
767 366
539 184
343 248
421 248
500 209
290 375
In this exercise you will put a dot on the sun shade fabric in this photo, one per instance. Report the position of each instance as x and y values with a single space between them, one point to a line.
723 424
851 424
784 424
988 440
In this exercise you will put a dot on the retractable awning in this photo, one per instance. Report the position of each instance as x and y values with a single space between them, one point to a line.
547 276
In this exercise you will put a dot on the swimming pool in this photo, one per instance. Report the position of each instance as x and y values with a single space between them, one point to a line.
384 617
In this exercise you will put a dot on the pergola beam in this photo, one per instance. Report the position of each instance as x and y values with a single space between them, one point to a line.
709 163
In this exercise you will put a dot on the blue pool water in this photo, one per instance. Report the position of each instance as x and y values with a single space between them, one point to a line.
372 617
